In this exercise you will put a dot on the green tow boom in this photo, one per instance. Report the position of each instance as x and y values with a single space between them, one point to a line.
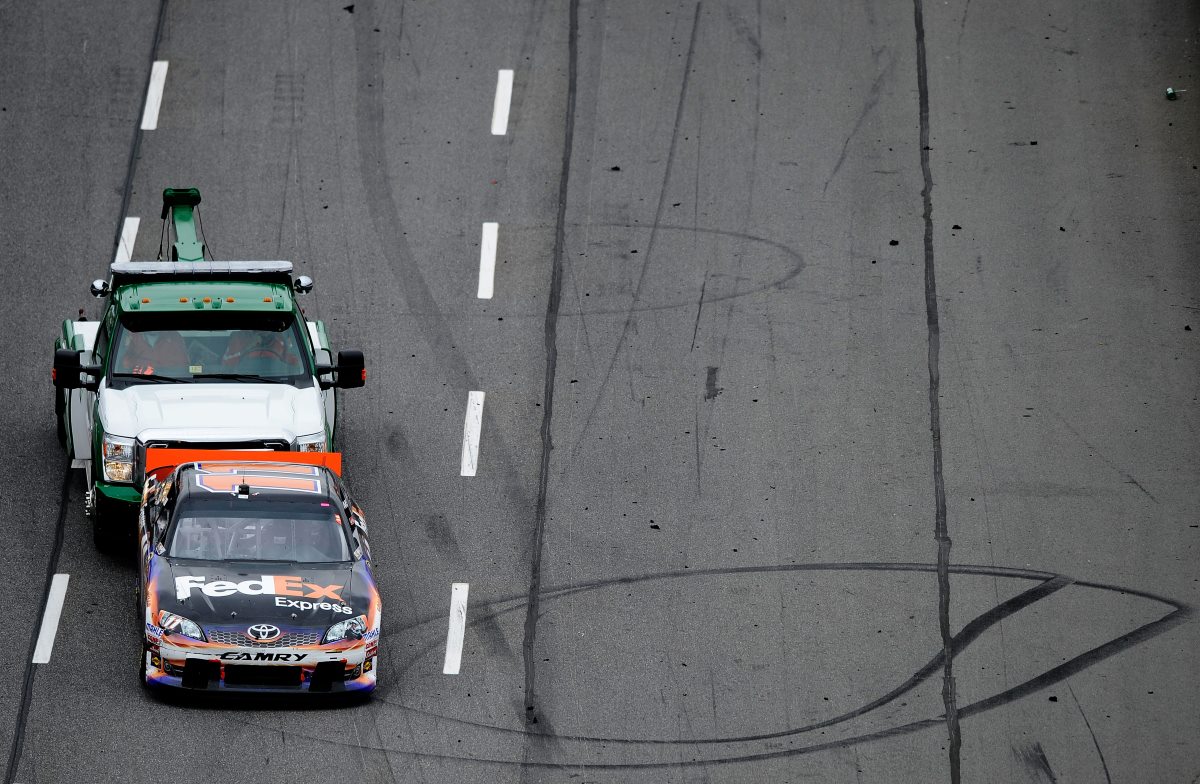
179 205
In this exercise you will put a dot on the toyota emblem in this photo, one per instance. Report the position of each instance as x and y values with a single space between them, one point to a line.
264 632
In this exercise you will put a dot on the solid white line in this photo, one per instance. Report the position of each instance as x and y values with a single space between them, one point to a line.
504 82
487 259
458 624
470 446
128 236
158 78
54 605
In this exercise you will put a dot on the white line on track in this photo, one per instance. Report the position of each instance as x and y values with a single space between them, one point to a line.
458 624
54 605
470 444
487 259
128 236
504 84
158 78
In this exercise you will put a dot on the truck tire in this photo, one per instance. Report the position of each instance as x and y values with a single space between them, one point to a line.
110 531
60 413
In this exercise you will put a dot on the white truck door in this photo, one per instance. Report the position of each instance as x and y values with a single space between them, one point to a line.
82 402
323 356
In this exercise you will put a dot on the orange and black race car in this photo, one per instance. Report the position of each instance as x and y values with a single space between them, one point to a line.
255 574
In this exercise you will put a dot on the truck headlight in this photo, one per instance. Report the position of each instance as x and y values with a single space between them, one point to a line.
118 458
177 624
314 443
351 628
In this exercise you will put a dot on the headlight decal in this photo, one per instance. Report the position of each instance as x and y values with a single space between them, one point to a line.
171 623
351 628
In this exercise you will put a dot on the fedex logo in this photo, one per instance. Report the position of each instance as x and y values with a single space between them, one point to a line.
276 585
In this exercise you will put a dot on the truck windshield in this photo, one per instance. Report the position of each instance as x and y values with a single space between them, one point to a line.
209 348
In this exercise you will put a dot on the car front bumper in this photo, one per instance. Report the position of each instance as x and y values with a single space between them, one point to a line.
237 669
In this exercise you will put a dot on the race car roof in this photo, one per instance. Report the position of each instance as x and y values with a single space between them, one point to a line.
266 482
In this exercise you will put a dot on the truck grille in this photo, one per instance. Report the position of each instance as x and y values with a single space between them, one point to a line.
139 450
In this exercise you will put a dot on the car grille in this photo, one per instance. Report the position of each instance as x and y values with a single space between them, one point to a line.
288 640
139 449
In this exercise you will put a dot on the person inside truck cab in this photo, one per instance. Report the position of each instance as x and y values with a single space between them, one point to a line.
139 356
253 344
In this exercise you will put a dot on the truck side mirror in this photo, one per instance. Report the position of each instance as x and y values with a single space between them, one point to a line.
67 369
351 369
65 373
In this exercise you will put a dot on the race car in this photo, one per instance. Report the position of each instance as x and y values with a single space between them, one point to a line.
255 574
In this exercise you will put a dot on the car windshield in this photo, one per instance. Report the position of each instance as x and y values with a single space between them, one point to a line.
253 347
293 535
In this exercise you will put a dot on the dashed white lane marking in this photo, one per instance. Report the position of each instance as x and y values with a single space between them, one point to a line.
158 78
458 625
54 605
470 444
504 83
128 236
487 259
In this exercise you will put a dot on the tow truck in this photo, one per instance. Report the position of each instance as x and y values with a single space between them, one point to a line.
190 352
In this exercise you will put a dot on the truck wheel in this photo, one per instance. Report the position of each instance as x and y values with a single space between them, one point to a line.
60 413
109 529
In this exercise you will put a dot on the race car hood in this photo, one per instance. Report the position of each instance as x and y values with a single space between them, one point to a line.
212 412
226 593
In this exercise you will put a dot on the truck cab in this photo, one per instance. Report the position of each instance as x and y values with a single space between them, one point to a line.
191 354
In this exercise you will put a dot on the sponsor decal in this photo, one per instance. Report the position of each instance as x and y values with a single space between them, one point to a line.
153 632
268 584
264 632
367 665
302 605
263 656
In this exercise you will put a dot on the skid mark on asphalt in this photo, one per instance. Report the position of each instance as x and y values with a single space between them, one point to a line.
654 229
623 750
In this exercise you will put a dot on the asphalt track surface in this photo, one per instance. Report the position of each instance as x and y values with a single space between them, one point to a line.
841 379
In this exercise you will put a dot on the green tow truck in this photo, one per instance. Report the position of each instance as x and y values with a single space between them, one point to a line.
190 353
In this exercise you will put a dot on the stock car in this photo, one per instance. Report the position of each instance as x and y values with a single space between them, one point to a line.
254 575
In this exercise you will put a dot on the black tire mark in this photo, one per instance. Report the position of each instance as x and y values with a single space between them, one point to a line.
18 741
1049 583
941 528
1095 742
551 344
385 219
658 215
